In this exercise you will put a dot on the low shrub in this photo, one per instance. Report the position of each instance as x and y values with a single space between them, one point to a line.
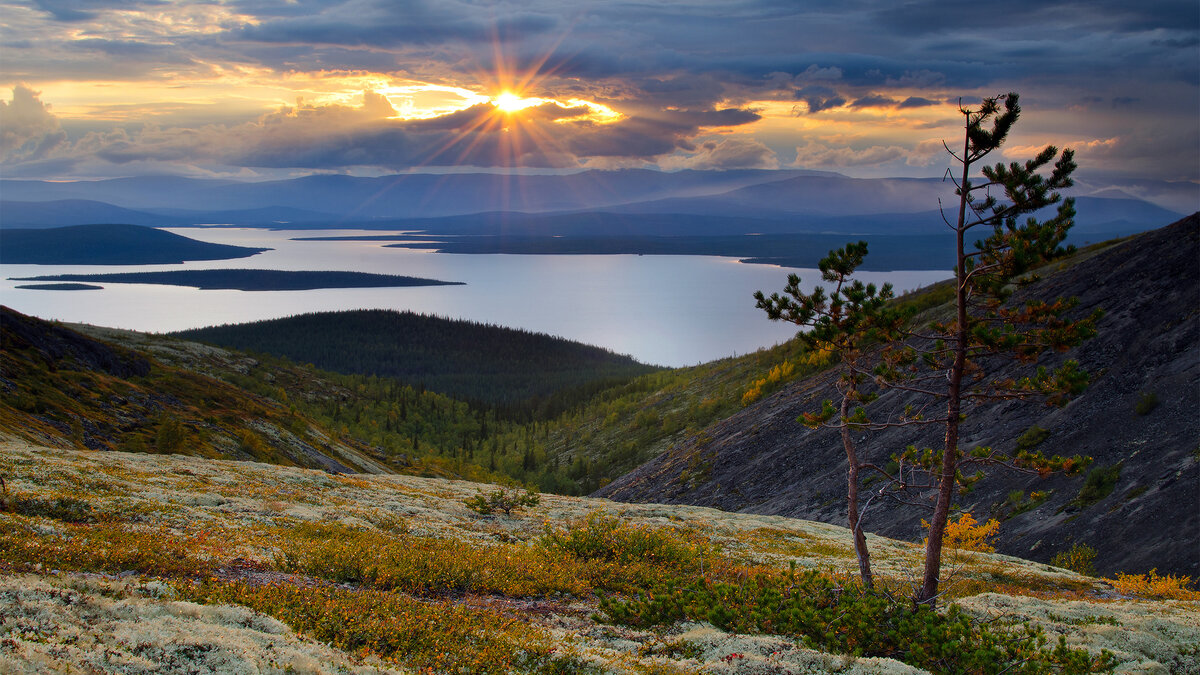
502 499
605 538
66 509
108 547
1018 503
1032 437
1079 558
1098 484
439 636
1146 402
427 565
847 619
1151 585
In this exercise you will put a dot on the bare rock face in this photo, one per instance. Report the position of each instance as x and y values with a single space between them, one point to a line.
1139 420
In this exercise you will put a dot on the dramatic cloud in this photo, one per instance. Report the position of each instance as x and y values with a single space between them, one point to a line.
730 153
191 83
27 129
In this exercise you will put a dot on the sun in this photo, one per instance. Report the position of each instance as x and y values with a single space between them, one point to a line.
510 102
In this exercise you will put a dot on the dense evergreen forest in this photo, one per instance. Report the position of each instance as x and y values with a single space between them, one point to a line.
575 452
519 374
574 444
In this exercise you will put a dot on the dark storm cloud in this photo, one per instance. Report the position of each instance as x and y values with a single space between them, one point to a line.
916 102
85 10
390 24
937 16
679 70
819 98
873 101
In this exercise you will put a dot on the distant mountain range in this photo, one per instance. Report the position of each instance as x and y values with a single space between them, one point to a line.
592 203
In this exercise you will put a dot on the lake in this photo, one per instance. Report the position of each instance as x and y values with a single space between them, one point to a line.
665 310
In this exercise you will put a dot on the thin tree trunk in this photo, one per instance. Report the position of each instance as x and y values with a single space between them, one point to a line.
860 540
941 510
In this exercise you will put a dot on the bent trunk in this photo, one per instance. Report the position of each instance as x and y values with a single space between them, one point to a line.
860 540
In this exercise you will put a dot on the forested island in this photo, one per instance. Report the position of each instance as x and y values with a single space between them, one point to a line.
252 280
60 287
109 245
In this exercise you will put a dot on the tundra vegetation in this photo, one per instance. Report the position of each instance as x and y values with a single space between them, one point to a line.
951 362
110 560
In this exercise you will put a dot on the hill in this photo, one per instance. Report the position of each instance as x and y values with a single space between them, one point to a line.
1137 420
64 388
63 212
516 371
116 562
108 245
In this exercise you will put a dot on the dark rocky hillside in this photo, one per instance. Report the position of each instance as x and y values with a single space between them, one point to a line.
1139 421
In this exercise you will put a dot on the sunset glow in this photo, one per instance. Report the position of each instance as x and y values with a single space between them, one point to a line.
251 87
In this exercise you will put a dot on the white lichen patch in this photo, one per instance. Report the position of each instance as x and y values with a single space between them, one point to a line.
1145 636
74 623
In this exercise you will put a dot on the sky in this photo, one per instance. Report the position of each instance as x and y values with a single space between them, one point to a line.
260 89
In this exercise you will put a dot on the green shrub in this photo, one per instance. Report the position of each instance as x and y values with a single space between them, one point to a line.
1032 437
1079 558
502 499
847 619
66 509
1099 484
1017 503
1146 402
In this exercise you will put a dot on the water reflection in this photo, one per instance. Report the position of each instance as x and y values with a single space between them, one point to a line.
668 310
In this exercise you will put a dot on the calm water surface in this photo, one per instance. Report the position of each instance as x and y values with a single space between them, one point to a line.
667 310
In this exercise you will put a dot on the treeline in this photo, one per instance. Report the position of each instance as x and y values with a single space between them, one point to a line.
566 449
518 374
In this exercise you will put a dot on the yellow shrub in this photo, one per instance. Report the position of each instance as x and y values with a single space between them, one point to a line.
966 534
775 376
1150 585
819 355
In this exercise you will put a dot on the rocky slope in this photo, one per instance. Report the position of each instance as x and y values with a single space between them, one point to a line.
1138 420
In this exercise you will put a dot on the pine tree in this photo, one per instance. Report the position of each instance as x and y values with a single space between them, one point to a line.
843 325
957 353
951 360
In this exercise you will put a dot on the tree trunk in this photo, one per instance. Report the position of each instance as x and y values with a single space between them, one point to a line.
949 470
860 539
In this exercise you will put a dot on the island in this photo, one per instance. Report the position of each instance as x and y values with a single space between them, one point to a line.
109 245
61 287
250 279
